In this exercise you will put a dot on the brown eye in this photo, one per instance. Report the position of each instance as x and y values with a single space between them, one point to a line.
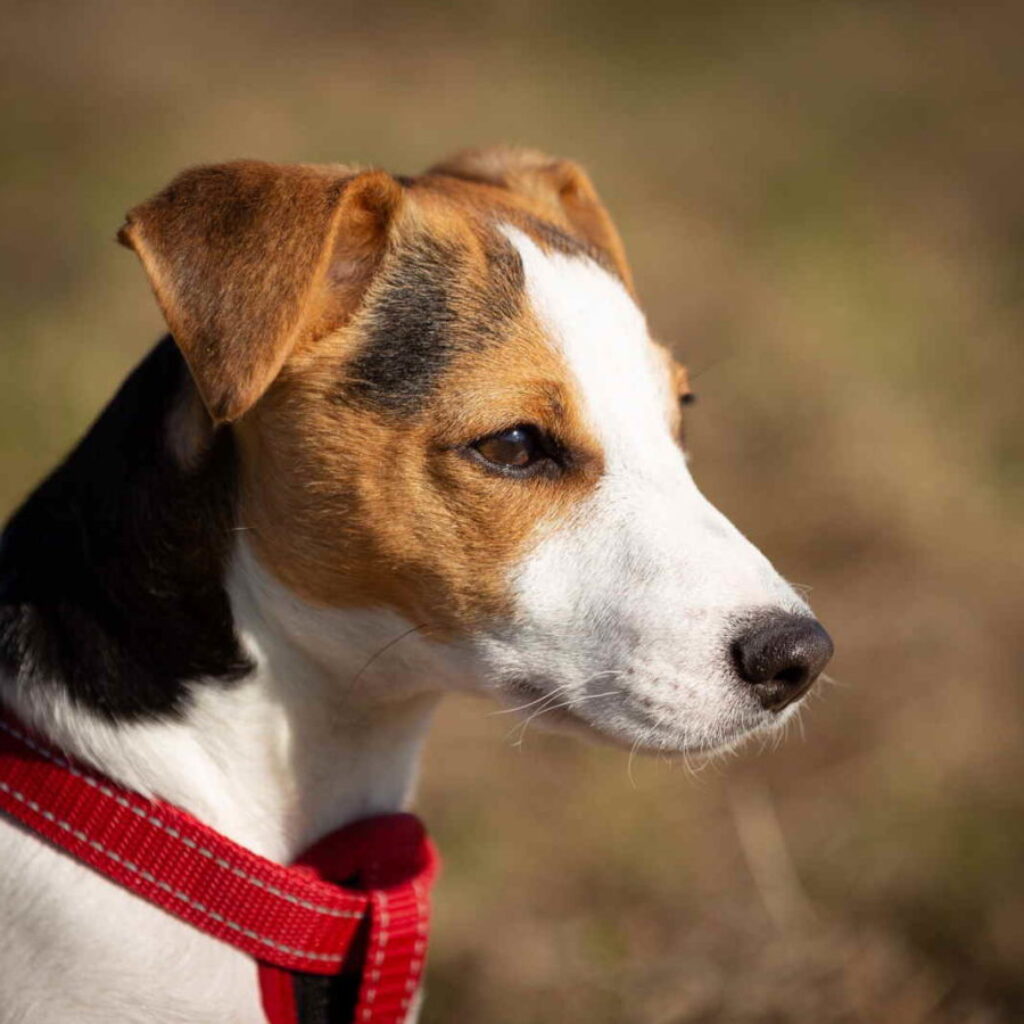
688 399
517 448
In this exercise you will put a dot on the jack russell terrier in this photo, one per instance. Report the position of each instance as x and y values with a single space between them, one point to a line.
407 436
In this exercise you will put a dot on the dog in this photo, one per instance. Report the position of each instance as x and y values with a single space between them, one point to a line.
406 436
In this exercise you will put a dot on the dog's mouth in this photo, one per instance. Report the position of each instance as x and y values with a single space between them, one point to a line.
613 715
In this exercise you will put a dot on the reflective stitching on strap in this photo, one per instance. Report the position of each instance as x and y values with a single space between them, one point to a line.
420 947
152 879
144 812
380 901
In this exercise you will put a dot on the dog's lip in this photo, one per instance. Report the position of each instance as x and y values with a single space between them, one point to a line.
536 691
523 686
512 693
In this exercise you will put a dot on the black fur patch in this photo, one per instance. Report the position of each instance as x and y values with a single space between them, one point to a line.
111 573
430 306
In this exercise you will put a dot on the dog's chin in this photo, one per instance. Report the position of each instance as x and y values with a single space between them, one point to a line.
635 729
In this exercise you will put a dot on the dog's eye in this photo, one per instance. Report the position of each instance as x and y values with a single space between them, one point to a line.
518 448
687 399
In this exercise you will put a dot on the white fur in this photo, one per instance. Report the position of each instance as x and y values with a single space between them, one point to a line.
315 738
624 613
622 617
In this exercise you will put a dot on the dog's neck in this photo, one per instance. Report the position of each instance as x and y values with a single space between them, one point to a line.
325 730
139 631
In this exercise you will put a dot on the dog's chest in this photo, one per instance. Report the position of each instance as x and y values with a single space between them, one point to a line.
79 950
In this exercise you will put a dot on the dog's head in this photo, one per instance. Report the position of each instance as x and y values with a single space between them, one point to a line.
448 405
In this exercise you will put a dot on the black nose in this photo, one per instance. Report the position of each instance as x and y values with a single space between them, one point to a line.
780 655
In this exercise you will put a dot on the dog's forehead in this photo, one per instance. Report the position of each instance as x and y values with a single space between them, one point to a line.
624 380
479 275
439 296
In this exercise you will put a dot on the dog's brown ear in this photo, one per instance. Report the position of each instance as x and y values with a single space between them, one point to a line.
561 187
248 258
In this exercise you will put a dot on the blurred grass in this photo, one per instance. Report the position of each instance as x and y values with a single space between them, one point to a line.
824 207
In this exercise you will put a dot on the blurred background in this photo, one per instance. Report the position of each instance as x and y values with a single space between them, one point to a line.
824 206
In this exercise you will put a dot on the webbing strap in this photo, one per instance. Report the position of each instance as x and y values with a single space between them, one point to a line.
292 919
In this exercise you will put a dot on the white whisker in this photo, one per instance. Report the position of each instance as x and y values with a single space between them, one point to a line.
528 704
571 702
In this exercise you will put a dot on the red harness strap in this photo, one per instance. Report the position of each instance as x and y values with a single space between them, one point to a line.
372 929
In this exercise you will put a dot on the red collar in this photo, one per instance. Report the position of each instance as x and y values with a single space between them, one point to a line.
294 921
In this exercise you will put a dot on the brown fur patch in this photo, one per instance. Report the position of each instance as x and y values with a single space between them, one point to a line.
244 263
384 507
370 329
680 384
556 193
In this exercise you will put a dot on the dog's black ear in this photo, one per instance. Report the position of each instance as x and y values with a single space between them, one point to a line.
247 259
560 187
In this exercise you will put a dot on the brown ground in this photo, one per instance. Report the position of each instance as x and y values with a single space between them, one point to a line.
825 211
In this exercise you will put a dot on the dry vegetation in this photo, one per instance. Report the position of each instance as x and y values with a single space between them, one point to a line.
825 209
